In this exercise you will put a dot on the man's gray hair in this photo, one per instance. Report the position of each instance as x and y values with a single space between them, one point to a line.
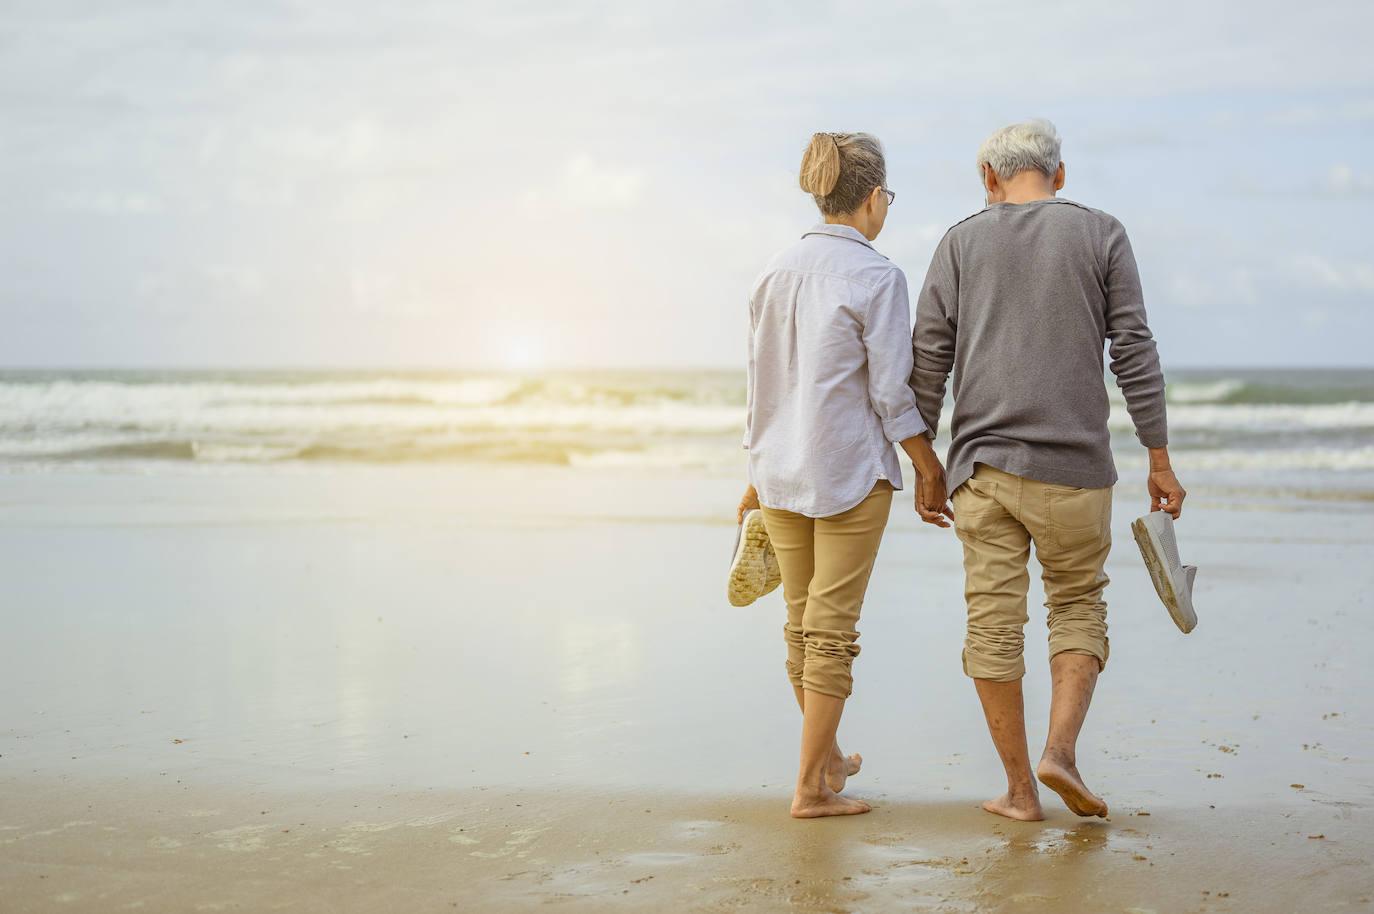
1029 145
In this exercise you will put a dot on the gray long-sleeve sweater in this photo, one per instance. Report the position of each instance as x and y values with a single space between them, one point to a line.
1018 301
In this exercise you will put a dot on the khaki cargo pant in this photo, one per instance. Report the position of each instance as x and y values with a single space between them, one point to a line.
997 516
826 563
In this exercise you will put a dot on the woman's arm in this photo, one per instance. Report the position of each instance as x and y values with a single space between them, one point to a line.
749 381
887 324
750 502
889 372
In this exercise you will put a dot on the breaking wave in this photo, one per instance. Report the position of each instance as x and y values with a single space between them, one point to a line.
1320 419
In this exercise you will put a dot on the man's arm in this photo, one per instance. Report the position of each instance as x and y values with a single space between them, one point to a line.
932 340
1135 363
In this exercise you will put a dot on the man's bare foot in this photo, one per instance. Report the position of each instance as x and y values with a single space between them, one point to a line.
825 802
1063 779
840 767
1023 808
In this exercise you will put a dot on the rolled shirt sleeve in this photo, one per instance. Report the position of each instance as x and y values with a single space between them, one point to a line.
889 359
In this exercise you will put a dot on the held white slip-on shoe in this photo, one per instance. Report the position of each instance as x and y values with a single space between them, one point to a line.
753 568
1154 534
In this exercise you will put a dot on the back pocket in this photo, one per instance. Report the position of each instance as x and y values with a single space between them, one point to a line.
1079 516
976 508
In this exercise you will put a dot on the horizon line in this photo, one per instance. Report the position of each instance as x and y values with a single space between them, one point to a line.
565 369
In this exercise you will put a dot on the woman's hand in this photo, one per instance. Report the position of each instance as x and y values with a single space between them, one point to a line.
932 502
749 502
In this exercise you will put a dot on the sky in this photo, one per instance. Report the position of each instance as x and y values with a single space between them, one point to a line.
335 183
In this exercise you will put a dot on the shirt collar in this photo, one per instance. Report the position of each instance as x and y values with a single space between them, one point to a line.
839 231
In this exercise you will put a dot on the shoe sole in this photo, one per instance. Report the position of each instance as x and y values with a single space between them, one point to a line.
1152 551
772 572
748 573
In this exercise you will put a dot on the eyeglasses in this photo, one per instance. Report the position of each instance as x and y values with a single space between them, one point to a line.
891 195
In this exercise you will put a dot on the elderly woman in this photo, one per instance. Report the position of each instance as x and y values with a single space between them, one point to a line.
828 396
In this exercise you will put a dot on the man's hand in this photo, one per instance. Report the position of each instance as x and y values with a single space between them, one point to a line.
749 502
932 502
1166 493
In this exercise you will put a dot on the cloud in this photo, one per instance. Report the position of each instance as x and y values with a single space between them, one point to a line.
1339 180
580 185
109 202
1316 270
1231 287
1308 115
586 183
385 293
1311 114
1342 179
361 160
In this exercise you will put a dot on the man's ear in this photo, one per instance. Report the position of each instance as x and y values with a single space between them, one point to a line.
1059 177
989 178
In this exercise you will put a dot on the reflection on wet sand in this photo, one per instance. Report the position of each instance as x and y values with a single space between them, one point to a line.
249 686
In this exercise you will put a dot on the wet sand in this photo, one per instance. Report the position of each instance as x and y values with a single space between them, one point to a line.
108 847
439 689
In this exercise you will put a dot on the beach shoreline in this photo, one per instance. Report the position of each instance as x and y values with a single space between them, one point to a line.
106 847
199 663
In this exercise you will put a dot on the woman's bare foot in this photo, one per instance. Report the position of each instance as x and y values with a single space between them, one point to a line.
1022 807
810 804
840 768
1062 777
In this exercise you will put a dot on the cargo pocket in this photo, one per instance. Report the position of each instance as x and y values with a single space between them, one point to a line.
1078 517
977 511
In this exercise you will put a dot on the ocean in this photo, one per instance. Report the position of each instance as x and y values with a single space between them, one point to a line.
1309 429
352 613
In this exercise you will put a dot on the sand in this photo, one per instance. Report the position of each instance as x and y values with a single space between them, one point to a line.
110 847
432 688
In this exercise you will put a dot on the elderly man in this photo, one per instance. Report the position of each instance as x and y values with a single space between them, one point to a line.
1017 303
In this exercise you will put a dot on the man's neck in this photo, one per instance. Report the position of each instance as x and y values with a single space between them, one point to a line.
1027 187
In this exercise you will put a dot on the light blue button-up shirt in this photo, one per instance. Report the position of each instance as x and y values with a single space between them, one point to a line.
829 365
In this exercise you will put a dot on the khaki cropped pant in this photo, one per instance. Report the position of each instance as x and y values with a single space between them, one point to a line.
997 516
826 563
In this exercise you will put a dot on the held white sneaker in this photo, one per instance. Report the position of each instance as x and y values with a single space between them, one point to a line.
1154 534
753 568
772 573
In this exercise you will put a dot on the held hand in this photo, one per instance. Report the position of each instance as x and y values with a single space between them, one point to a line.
931 501
749 502
1166 494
